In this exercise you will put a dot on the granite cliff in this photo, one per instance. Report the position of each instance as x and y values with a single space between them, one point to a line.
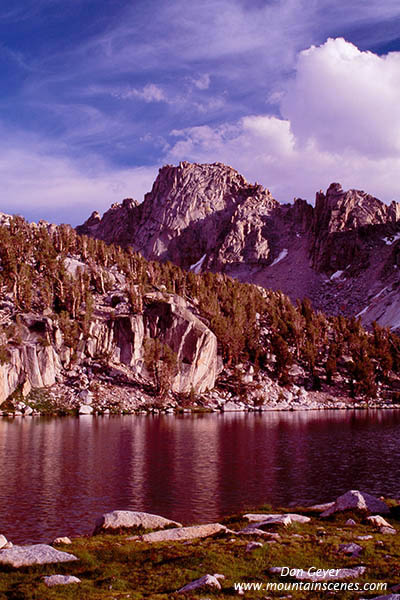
342 253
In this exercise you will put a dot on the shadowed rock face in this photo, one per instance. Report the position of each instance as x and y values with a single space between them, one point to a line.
210 215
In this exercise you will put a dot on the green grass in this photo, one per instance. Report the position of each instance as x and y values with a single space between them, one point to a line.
112 567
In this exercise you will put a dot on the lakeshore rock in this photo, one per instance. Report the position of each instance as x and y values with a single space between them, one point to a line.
356 500
265 518
53 580
185 533
36 554
3 541
62 540
207 581
128 519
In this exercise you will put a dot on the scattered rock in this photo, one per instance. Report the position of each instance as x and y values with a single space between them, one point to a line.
60 580
185 533
352 549
365 537
264 518
356 500
128 519
207 581
37 554
3 541
321 507
253 546
378 521
259 532
62 540
387 530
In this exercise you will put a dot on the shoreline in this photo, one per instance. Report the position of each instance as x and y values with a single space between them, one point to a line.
199 411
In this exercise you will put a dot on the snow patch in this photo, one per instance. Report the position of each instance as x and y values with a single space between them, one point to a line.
281 256
379 293
390 239
362 311
336 275
196 268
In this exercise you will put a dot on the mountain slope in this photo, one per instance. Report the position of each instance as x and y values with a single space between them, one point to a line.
340 253
90 326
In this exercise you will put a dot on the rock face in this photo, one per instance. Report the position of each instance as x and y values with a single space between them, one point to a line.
37 554
356 500
34 364
128 519
208 217
42 354
193 210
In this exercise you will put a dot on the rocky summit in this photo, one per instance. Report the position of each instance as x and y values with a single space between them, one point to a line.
342 253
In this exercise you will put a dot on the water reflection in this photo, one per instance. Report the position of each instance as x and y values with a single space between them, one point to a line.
58 475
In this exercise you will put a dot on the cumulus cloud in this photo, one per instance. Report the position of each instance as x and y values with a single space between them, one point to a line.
340 121
346 98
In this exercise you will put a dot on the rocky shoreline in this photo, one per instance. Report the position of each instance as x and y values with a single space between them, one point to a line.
139 555
87 394
112 400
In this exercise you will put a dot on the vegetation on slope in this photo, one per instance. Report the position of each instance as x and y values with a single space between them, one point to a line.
251 324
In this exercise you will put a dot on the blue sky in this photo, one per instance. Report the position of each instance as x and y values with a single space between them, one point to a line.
97 95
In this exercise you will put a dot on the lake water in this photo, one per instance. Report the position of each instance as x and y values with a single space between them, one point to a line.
57 475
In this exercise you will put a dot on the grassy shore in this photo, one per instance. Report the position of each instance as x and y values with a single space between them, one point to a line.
111 566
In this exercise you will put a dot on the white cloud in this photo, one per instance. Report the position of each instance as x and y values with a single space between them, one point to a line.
38 183
149 93
341 123
345 98
202 82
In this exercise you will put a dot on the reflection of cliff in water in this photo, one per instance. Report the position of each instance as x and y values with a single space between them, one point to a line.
58 475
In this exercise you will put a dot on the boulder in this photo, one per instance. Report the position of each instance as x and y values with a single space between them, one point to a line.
128 519
321 507
360 501
62 540
260 517
251 530
185 533
53 580
85 409
3 541
378 521
207 581
350 523
253 546
351 549
37 554
387 530
230 406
